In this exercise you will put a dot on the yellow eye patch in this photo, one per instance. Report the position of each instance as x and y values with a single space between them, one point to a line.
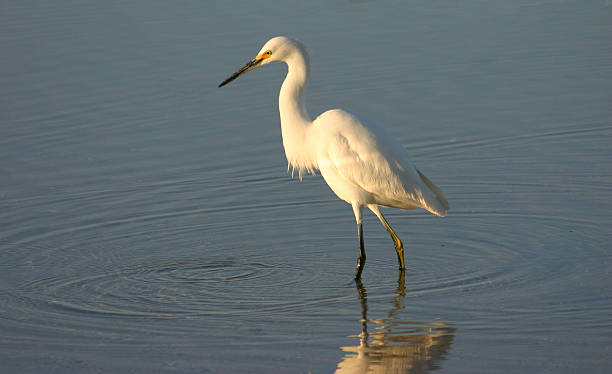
264 55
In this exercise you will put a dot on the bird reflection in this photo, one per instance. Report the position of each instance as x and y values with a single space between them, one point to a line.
396 346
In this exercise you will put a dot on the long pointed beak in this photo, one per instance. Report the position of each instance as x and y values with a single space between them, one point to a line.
246 68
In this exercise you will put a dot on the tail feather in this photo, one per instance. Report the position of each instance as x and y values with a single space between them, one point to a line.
438 194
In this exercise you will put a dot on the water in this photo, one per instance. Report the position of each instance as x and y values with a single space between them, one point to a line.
147 223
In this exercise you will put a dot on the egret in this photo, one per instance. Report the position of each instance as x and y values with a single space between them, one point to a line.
362 164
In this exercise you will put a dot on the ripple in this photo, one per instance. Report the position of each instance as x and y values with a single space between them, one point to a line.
174 289
461 148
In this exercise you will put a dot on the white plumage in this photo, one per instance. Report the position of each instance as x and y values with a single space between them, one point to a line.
363 165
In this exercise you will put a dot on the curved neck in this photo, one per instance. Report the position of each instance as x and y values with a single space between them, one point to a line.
295 121
291 101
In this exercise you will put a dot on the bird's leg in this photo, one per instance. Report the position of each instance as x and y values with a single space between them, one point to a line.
399 247
362 255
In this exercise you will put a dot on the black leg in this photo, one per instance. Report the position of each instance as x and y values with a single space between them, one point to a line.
362 255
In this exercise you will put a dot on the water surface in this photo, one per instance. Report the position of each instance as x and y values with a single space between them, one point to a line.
147 222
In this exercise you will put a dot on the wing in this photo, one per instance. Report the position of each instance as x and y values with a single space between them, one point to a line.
371 160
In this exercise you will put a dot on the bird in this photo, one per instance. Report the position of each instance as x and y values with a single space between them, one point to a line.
361 163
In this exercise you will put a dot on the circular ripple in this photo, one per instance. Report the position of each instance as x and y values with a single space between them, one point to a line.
174 289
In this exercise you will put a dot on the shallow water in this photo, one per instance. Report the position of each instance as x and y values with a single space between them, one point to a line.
147 223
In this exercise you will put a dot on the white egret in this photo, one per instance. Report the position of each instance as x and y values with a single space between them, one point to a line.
363 165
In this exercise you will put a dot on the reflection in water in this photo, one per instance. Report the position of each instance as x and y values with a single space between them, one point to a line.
396 346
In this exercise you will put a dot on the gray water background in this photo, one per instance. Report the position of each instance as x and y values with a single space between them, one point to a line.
148 225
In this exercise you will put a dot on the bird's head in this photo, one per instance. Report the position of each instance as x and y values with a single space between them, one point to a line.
279 48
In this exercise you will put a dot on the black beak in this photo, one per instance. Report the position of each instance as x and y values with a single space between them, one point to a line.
246 68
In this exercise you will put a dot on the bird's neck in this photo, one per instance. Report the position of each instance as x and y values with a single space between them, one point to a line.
296 124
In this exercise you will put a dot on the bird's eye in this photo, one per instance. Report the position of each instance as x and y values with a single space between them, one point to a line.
268 53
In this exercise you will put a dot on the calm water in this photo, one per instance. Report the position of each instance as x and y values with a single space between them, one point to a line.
148 225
